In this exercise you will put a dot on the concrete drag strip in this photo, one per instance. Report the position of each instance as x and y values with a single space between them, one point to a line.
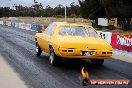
8 77
122 55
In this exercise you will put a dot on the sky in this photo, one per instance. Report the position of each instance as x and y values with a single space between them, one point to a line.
52 3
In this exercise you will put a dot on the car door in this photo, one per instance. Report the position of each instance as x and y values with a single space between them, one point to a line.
47 35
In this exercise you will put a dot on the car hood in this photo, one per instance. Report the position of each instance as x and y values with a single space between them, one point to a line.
84 43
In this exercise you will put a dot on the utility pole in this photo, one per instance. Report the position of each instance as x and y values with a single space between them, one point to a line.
65 13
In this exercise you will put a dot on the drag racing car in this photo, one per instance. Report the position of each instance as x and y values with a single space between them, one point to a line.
72 40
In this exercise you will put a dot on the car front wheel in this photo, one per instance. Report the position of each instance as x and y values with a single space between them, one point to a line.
97 61
38 50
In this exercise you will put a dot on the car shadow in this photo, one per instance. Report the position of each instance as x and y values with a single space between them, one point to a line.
71 64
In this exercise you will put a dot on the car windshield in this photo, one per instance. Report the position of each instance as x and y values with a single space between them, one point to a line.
78 31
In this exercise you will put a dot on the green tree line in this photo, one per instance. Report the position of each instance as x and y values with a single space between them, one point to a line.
38 10
92 9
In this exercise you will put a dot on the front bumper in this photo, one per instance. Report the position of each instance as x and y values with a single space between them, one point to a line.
79 53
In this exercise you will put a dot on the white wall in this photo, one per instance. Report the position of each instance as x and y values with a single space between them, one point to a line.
1 22
105 35
102 21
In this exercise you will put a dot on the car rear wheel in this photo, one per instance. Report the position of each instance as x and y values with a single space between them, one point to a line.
53 58
38 50
97 61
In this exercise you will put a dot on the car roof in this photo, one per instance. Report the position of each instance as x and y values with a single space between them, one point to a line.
71 24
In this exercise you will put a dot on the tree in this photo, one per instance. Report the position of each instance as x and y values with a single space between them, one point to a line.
92 9
75 9
37 10
5 12
59 10
48 11
120 9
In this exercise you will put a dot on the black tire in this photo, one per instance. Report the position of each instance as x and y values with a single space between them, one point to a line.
97 61
53 58
38 50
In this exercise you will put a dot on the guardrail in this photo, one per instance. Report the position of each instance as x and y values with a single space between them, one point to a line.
118 41
32 27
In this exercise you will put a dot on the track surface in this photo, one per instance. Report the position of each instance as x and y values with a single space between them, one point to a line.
18 47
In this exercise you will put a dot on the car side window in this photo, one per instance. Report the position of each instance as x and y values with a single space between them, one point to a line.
50 29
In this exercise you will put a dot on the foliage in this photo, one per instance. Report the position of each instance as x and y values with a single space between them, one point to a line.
38 10
120 9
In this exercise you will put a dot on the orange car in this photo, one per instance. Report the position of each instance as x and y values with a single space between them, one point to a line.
72 40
